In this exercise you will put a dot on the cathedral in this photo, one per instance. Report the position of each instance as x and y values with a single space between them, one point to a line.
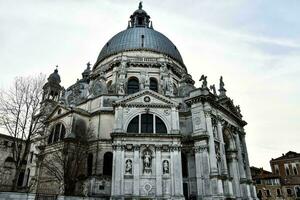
148 132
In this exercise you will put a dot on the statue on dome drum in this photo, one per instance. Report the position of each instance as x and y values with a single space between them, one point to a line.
99 85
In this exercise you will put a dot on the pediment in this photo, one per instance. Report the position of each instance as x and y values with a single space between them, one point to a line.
146 98
58 111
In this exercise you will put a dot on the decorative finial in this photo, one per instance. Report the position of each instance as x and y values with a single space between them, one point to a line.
88 65
140 5
56 69
204 81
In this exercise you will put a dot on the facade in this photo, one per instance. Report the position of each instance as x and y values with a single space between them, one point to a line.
267 184
149 132
7 163
287 167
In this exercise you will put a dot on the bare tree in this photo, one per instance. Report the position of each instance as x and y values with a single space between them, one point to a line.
20 116
65 162
65 165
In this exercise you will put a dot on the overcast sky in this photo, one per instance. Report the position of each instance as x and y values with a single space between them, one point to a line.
254 44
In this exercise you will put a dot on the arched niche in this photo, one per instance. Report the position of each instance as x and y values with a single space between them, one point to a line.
229 140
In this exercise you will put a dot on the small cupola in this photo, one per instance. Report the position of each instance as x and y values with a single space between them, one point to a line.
52 88
140 18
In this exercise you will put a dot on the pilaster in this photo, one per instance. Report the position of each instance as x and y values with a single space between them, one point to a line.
136 170
158 171
202 170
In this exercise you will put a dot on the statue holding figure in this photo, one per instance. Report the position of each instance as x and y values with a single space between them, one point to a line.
128 167
165 167
147 161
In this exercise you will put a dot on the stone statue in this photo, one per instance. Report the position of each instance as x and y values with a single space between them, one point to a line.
147 81
147 158
204 81
213 88
222 90
122 70
128 167
142 80
169 86
85 189
121 89
221 83
99 85
165 167
238 108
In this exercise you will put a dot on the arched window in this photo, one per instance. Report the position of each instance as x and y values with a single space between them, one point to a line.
295 170
297 191
50 138
21 178
133 85
153 84
62 132
184 165
278 191
175 89
146 123
109 87
107 164
160 125
289 192
287 171
133 126
57 133
90 164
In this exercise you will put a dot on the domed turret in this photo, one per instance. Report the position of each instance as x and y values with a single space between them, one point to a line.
52 88
54 77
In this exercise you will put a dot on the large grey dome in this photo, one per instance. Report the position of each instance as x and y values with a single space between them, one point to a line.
140 38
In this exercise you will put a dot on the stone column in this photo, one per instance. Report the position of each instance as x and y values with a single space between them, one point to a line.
212 154
224 169
136 170
158 171
241 166
248 172
234 172
211 144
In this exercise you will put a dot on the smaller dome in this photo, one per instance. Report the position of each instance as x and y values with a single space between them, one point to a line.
54 77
